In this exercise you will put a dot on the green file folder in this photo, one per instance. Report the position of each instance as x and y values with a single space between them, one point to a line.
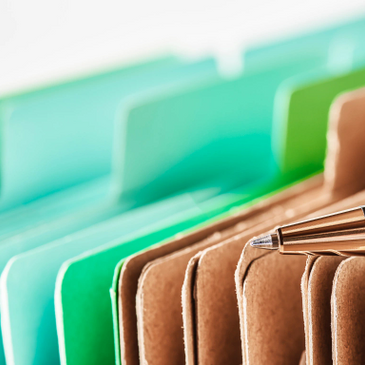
302 108
70 210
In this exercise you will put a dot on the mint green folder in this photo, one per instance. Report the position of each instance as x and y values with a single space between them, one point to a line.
97 193
60 136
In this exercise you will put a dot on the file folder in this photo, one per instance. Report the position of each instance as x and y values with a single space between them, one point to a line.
138 190
182 159
66 282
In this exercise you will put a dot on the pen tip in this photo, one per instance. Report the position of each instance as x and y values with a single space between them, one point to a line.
269 242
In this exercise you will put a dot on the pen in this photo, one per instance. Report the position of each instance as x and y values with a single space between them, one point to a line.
341 233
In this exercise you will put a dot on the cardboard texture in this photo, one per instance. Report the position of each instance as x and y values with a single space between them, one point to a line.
317 322
132 267
341 181
304 289
302 359
273 318
348 312
159 303
248 327
211 327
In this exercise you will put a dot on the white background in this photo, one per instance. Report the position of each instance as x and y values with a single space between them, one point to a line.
42 41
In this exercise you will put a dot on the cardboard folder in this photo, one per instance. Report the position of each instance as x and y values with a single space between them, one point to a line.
257 297
224 344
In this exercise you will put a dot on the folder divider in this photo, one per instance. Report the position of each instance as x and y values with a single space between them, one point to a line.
317 308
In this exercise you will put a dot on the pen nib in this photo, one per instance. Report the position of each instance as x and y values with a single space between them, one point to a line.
269 242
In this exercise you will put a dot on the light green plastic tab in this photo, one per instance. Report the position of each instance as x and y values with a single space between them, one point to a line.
302 117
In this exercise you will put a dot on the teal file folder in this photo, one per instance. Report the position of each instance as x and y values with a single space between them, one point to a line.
70 210
97 194
61 136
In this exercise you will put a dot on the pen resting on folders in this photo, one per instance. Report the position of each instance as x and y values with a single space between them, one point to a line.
341 233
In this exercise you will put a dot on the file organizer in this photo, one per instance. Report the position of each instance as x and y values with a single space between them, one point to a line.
137 190
82 263
101 308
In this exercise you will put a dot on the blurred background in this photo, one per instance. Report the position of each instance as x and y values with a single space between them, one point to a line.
43 41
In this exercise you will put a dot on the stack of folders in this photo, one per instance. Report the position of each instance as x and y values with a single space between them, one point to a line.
129 199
